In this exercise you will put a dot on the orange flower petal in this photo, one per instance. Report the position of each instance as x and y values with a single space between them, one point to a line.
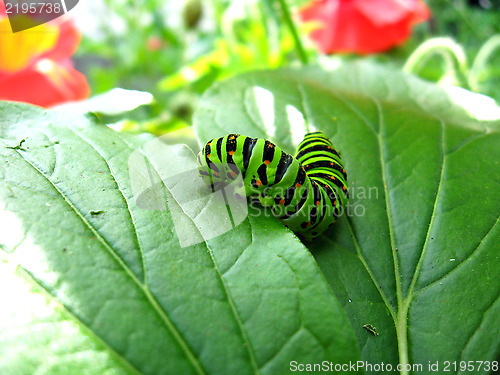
68 41
18 50
45 84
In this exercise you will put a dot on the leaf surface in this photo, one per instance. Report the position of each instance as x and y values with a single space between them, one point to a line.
416 253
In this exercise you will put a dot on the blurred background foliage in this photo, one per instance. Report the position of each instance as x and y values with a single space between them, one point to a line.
177 49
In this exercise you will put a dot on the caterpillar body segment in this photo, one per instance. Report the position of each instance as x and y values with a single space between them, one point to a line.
305 192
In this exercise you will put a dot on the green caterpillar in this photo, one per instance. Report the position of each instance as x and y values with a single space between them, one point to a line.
305 192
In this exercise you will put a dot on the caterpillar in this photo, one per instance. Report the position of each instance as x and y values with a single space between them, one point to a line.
306 192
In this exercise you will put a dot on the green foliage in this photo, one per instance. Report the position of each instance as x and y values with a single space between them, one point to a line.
91 272
178 61
467 58
469 25
409 274
443 60
177 50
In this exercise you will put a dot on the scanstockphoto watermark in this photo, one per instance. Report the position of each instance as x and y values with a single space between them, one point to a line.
327 366
430 367
167 176
26 14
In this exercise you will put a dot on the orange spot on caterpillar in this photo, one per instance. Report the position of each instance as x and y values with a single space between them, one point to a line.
231 153
271 145
343 170
282 202
208 156
258 182
317 203
343 188
232 174
297 185
308 225
267 162
332 177
331 164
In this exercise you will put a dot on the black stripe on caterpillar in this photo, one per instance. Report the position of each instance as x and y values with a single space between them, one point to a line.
306 192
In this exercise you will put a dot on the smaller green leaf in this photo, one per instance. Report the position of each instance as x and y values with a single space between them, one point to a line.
111 103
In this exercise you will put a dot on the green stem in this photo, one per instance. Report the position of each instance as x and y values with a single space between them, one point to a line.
451 52
482 57
401 333
293 30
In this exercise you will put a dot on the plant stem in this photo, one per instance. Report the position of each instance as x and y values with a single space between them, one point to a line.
451 52
401 333
293 30
482 57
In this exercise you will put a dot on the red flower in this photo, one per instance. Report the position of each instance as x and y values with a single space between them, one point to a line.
362 26
35 64
154 43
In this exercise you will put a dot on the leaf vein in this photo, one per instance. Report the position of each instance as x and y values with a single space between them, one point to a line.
459 265
132 217
478 326
431 221
230 300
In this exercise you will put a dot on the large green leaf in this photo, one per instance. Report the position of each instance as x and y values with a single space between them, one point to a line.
416 255
94 284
